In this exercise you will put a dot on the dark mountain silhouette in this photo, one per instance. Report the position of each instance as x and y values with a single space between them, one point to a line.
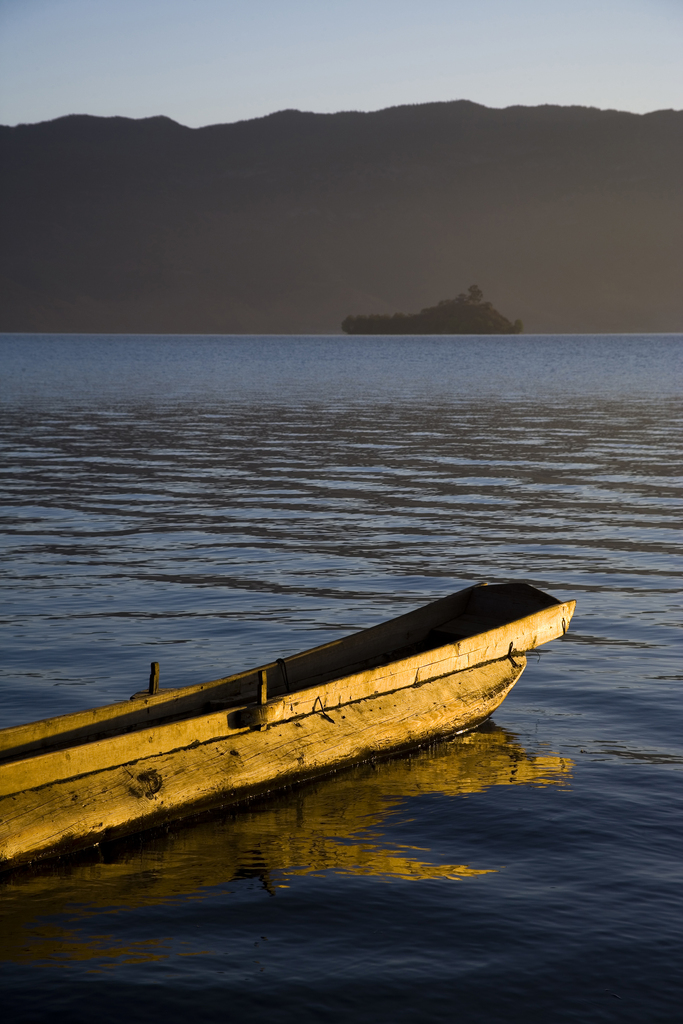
465 314
569 216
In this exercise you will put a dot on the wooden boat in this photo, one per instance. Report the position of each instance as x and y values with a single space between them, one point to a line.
79 779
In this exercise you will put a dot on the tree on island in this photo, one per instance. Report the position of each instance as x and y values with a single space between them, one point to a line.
466 314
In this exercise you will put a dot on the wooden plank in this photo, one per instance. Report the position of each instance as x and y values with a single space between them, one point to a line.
41 769
77 812
524 635
83 725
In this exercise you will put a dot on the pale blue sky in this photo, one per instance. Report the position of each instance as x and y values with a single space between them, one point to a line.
210 61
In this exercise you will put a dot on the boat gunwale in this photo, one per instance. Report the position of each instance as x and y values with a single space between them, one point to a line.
107 726
174 694
155 733
241 731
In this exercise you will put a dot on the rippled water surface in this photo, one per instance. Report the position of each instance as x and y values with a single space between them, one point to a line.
213 503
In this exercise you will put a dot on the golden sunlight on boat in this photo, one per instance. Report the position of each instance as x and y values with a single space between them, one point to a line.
335 824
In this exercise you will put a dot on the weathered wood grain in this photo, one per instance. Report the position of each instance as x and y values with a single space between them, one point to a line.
81 811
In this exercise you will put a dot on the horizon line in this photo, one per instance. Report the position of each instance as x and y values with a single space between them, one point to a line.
335 113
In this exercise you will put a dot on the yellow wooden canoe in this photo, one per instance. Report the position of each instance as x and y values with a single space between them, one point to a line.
79 779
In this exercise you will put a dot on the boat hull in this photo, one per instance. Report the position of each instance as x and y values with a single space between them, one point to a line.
96 806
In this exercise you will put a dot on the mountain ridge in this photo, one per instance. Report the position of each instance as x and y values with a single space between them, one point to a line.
571 216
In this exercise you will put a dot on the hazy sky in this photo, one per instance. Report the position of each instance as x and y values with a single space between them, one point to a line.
208 61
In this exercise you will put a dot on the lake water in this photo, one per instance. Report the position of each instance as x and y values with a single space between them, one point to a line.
213 503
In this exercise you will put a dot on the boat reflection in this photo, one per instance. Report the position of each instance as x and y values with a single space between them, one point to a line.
333 824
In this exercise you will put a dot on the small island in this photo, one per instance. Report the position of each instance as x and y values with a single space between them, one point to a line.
466 314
